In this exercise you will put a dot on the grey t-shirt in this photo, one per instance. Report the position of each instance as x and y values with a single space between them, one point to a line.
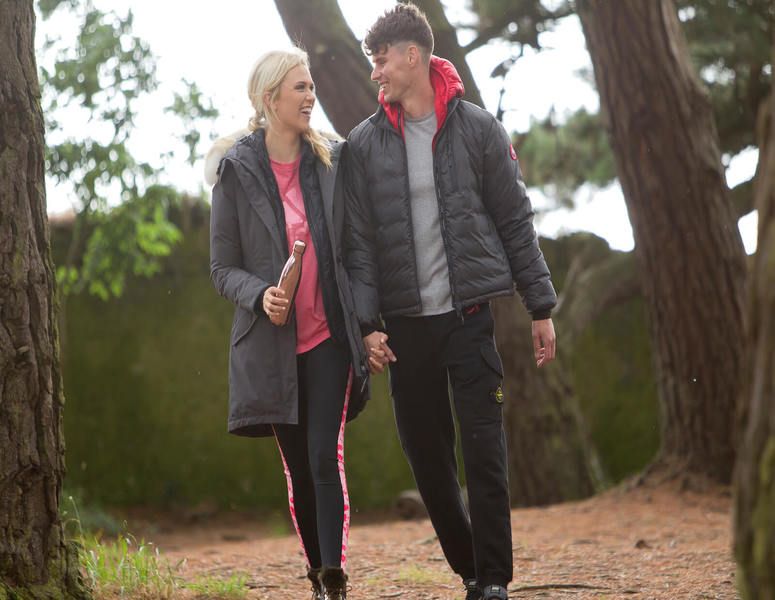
432 267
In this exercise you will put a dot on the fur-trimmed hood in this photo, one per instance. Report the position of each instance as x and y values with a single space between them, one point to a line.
222 146
218 151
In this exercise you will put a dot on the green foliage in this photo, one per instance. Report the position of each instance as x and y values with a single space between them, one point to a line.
127 568
147 389
731 44
614 380
190 108
560 158
611 367
100 77
105 71
128 240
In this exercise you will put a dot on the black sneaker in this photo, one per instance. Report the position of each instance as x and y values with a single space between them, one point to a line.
495 592
472 590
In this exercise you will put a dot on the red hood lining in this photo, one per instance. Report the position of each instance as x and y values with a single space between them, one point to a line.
446 85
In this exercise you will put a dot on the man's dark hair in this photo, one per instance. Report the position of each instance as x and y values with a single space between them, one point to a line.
402 23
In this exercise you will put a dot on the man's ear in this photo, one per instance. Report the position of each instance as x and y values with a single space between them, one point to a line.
413 55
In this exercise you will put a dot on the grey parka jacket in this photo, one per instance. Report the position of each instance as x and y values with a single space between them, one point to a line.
247 252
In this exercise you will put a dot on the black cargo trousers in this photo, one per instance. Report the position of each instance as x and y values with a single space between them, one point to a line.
434 354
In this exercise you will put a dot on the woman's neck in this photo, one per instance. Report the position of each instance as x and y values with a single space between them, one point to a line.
283 145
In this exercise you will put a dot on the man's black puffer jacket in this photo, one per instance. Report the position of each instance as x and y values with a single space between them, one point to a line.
485 214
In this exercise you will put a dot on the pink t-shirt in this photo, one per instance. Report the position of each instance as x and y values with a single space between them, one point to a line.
311 324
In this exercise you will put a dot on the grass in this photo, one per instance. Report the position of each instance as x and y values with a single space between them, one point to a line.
419 575
128 568
231 588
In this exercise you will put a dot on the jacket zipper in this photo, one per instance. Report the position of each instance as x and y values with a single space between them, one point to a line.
442 221
316 244
409 212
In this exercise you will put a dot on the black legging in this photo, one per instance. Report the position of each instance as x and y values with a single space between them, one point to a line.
310 451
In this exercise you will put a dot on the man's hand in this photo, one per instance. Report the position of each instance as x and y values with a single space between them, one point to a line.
274 304
379 352
544 341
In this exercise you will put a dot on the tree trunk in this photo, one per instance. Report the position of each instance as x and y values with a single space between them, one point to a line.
550 454
691 260
338 65
446 46
755 475
34 559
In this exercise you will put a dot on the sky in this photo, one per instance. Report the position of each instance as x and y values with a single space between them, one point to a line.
215 48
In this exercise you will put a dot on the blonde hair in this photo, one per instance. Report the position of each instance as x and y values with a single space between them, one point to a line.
265 77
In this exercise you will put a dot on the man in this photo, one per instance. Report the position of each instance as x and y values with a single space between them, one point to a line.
438 224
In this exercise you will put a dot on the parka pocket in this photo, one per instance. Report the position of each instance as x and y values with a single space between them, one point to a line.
243 323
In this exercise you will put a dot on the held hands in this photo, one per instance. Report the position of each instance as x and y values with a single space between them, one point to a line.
274 304
379 352
544 342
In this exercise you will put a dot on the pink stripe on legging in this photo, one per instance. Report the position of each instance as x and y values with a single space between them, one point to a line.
342 478
291 505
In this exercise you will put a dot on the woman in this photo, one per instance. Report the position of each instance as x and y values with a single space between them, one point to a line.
302 381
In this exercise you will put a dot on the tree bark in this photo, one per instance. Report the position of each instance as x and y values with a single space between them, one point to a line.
338 65
551 458
755 474
691 260
34 558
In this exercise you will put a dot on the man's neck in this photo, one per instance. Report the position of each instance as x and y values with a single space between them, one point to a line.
283 145
419 100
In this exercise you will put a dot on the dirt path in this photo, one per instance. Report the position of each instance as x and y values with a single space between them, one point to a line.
638 544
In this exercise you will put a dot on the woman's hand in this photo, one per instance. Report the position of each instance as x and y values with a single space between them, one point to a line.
274 304
379 352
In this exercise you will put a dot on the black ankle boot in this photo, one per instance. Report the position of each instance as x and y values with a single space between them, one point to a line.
472 590
495 592
317 590
334 581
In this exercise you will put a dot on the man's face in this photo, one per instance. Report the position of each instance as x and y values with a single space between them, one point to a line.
392 71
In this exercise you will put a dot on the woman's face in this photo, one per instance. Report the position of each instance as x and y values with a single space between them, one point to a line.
294 101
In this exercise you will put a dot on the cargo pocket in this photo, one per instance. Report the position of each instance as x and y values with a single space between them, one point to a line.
493 360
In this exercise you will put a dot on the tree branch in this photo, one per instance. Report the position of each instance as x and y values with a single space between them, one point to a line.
513 16
492 31
448 47
338 65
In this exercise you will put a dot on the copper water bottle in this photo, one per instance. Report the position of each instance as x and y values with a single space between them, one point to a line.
290 277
